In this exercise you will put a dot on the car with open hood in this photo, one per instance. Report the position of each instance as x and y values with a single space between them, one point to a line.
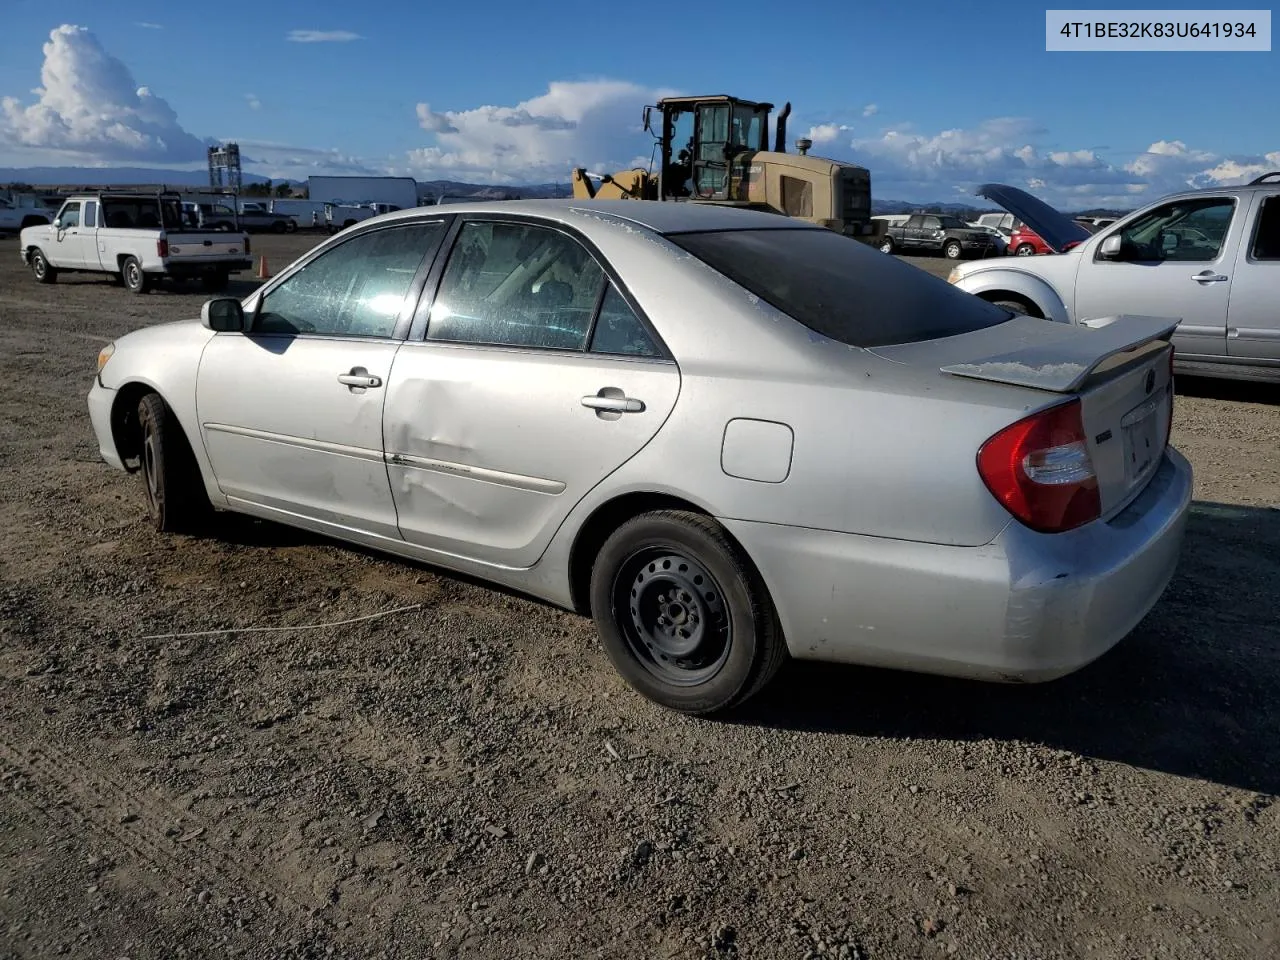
728 436
1208 259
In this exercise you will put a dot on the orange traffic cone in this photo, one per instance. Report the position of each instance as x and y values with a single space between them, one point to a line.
263 272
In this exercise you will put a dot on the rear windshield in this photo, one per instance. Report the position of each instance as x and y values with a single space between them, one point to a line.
841 288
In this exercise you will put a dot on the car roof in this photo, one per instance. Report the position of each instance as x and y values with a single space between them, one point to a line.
671 216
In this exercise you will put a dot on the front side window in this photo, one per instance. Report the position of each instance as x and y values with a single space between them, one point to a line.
356 289
839 287
516 284
1185 231
1266 237
70 215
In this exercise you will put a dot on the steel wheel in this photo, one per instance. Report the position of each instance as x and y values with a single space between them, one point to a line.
40 268
679 628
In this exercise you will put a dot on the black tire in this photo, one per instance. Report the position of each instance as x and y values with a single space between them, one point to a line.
683 614
40 268
135 281
171 481
215 282
886 245
1014 306
277 226
952 249
1024 250
291 226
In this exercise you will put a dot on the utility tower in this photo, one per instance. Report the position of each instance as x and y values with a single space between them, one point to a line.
224 168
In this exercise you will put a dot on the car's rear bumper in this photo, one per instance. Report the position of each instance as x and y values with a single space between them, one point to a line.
1026 607
101 400
200 268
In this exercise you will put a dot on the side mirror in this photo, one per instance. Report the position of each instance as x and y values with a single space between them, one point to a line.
223 315
1110 248
57 223
648 120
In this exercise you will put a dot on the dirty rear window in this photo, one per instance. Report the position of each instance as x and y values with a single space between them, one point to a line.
841 288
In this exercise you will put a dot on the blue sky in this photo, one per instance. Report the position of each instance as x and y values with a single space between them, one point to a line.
932 97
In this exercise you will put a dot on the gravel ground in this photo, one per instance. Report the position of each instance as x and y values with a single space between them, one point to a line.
470 778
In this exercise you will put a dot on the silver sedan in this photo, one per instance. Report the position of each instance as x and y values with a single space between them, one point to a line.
728 436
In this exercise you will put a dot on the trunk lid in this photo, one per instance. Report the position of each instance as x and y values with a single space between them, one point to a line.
1120 368
1056 229
196 245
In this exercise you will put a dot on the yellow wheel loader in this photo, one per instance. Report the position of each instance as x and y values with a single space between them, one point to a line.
715 149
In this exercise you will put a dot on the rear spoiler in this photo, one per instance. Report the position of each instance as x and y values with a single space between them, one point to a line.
1062 365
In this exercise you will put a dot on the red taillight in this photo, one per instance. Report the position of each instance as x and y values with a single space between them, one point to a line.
162 248
1040 469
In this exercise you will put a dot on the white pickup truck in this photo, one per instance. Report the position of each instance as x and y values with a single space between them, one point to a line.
15 216
139 238
339 216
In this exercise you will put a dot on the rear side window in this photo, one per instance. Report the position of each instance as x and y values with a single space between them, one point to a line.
841 288
1266 239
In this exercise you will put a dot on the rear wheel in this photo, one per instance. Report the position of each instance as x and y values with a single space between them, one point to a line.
174 489
952 250
1024 250
41 269
683 614
135 281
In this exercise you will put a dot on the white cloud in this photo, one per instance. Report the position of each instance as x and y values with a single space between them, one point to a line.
827 132
252 100
593 124
89 105
870 110
146 25
322 36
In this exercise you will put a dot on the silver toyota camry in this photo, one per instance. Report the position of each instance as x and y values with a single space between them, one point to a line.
728 436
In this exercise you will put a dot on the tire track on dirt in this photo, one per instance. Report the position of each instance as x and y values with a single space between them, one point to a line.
74 795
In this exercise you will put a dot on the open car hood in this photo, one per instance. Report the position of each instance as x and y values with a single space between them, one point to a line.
1057 230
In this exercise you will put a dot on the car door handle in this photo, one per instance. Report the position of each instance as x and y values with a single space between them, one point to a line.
614 404
1208 277
359 380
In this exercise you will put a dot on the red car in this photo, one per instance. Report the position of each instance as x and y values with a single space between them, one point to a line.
1025 242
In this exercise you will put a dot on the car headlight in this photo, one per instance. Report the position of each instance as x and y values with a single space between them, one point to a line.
104 355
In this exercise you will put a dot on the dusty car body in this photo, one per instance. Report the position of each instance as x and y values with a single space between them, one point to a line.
1207 258
688 423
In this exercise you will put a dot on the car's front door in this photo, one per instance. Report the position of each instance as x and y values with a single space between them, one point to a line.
72 239
291 411
1253 320
912 231
1175 261
536 379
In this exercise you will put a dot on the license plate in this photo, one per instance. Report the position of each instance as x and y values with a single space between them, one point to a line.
1141 434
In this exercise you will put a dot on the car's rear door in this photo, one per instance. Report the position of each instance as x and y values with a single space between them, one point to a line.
1253 319
536 378
291 412
1175 261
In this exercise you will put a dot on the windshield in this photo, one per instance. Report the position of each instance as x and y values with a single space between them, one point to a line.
841 288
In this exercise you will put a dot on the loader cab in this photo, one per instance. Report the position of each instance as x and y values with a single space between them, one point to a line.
706 144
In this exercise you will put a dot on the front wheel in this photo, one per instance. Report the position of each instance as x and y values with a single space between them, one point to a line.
886 245
278 227
1024 250
291 226
683 614
952 250
135 281
174 489
41 269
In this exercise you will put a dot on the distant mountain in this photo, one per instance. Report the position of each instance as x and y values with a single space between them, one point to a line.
113 176
909 206
489 191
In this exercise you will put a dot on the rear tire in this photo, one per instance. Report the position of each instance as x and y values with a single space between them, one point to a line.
683 614
1024 250
174 490
135 281
40 268
952 250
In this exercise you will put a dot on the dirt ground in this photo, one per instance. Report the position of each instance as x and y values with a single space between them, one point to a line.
470 778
